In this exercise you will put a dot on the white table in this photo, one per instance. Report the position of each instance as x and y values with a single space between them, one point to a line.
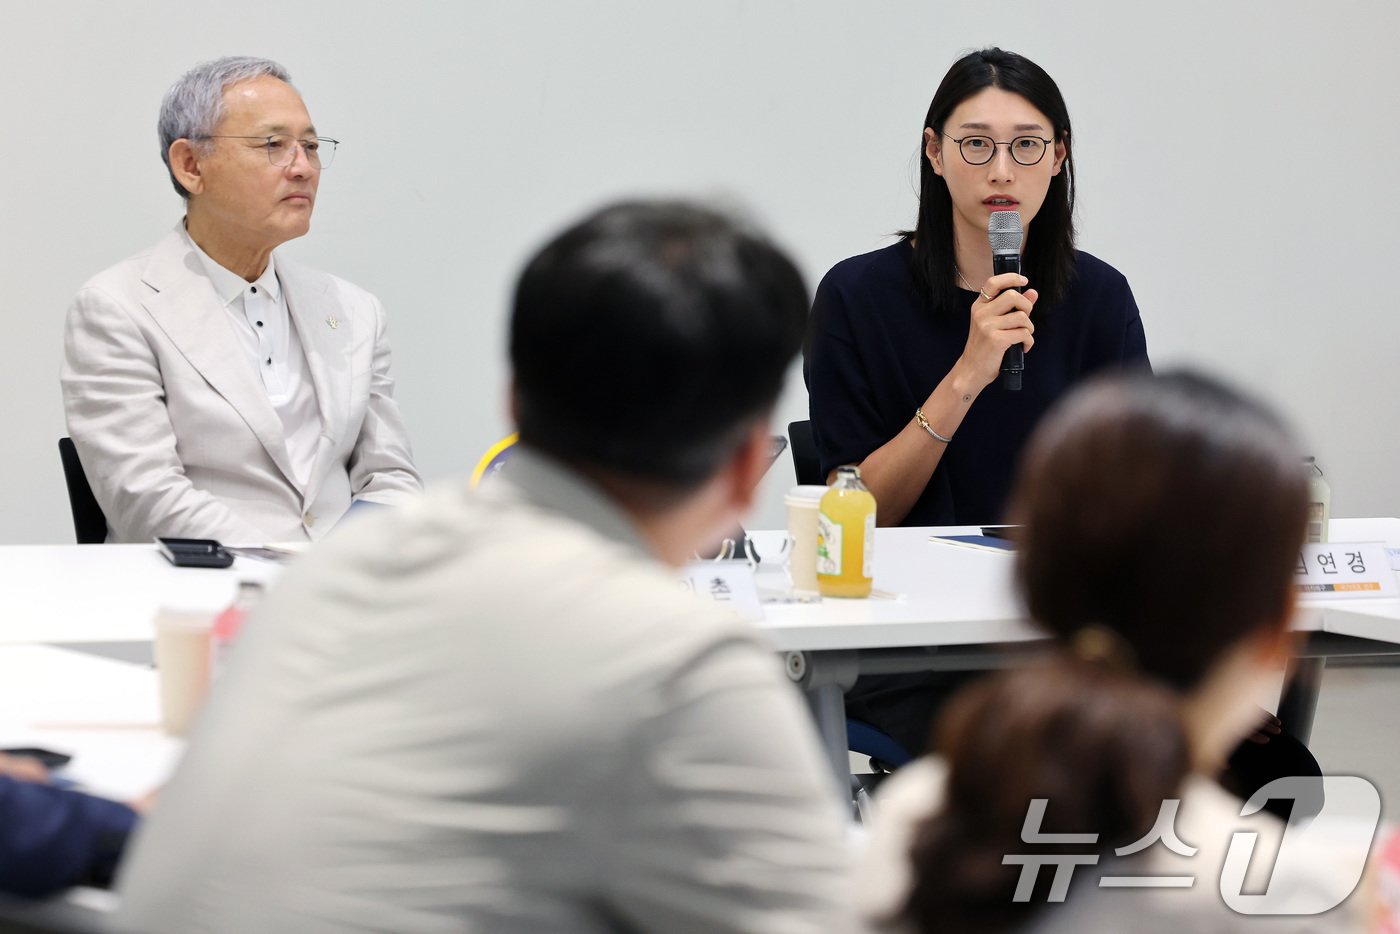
952 595
949 595
105 593
105 713
956 610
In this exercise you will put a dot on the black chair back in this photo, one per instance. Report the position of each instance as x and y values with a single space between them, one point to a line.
89 524
805 462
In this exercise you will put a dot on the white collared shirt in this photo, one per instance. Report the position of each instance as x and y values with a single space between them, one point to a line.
260 317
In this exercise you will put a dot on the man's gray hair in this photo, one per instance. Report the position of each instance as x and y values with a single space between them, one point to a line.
194 105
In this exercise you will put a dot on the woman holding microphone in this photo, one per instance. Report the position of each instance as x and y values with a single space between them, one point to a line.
906 343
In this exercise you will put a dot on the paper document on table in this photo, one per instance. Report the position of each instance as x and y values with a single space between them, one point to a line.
980 542
262 553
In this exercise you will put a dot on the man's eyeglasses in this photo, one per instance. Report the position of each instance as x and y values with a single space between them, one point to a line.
281 149
979 150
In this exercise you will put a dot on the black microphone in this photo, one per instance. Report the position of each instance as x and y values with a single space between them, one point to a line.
1004 231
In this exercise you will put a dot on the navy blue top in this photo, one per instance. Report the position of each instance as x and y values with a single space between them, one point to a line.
878 345
51 838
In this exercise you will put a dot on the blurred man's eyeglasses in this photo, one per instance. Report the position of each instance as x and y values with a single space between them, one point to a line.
281 149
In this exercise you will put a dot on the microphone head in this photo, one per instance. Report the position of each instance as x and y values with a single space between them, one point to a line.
1004 231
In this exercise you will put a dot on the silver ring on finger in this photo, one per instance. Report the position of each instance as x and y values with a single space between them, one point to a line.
985 296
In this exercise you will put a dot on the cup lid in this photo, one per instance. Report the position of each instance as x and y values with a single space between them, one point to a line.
804 494
174 615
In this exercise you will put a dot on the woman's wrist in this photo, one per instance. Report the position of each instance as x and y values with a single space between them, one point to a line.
943 411
928 428
963 383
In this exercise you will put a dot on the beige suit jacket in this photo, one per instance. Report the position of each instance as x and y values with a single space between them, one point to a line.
495 712
174 428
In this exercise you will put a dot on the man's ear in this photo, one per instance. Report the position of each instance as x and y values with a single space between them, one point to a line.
748 465
184 165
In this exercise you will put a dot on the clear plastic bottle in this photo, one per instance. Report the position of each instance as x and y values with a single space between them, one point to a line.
846 537
1319 501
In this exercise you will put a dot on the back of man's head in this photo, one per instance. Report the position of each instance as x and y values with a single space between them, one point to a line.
647 339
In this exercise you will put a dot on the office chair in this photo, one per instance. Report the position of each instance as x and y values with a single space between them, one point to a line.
89 524
494 459
804 453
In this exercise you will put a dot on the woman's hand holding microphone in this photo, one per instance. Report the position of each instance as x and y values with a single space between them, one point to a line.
1001 318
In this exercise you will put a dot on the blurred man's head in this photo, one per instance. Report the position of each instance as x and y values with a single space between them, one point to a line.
649 343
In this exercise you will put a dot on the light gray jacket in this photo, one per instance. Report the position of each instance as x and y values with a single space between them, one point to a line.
174 429
494 711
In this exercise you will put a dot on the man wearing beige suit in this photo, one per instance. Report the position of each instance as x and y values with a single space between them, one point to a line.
212 388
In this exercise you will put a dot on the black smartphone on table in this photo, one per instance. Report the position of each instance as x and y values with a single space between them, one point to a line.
194 552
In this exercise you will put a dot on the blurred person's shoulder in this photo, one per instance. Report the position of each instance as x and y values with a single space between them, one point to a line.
1213 826
884 873
1207 821
494 557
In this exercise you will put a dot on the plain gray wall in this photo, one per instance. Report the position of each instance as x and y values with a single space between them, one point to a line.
1236 161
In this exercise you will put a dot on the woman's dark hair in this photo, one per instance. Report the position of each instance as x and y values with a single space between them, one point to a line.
1130 484
1048 259
646 339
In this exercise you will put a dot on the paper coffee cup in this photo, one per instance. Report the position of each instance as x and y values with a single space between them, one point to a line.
803 503
182 664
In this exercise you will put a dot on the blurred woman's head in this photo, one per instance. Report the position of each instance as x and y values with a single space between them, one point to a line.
1168 510
1160 523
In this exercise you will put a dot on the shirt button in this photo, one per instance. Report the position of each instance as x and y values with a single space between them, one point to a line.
310 518
269 361
259 324
255 290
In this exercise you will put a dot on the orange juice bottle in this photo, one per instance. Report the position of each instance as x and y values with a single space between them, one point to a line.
846 537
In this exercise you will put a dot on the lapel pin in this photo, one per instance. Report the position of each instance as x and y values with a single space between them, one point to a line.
332 322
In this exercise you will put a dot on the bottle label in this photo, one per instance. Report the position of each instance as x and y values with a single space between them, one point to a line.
828 546
1317 522
868 566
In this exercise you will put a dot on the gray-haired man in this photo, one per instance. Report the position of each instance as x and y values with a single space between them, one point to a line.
212 389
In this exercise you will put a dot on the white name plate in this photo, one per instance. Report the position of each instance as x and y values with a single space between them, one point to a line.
1345 571
729 584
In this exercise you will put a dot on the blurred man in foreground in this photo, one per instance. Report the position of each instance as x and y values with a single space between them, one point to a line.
498 711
